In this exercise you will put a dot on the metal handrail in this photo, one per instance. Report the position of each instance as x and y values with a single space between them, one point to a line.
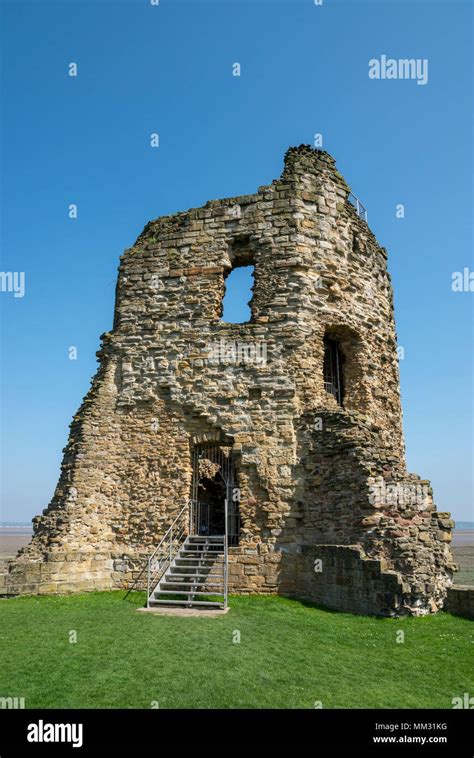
226 540
360 209
163 555
185 507
135 587
185 523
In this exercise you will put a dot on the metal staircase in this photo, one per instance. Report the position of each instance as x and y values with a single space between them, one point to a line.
188 569
189 566
195 576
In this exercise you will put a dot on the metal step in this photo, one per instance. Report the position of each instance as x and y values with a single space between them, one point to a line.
186 592
198 576
206 537
192 579
191 584
201 557
209 603
191 589
192 571
206 557
187 576
197 566
199 554
189 557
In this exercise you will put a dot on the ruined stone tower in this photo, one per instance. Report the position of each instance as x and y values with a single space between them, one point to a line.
304 399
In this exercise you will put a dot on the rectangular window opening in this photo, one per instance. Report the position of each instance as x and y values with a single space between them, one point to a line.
237 301
332 369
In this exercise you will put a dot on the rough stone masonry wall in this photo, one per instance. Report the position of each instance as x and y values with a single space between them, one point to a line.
307 469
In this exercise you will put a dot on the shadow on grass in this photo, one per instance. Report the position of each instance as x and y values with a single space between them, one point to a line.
135 597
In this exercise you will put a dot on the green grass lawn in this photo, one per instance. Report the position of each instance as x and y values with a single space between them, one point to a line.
290 655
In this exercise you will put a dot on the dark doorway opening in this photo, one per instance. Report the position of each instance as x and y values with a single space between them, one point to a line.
214 489
211 497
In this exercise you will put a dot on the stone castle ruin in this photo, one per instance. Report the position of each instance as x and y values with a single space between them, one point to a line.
274 448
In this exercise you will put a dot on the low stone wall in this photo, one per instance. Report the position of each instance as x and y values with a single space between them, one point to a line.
460 601
254 570
72 572
249 572
343 578
340 577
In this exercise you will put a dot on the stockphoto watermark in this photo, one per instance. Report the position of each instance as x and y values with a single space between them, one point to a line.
465 701
13 281
462 281
12 702
48 732
236 352
398 493
399 68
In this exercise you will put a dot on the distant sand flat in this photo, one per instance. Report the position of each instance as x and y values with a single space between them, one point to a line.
12 541
463 537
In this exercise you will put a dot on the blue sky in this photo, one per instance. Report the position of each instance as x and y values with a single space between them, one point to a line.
168 69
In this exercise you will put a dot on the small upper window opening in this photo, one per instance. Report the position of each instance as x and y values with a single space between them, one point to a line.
332 369
238 295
